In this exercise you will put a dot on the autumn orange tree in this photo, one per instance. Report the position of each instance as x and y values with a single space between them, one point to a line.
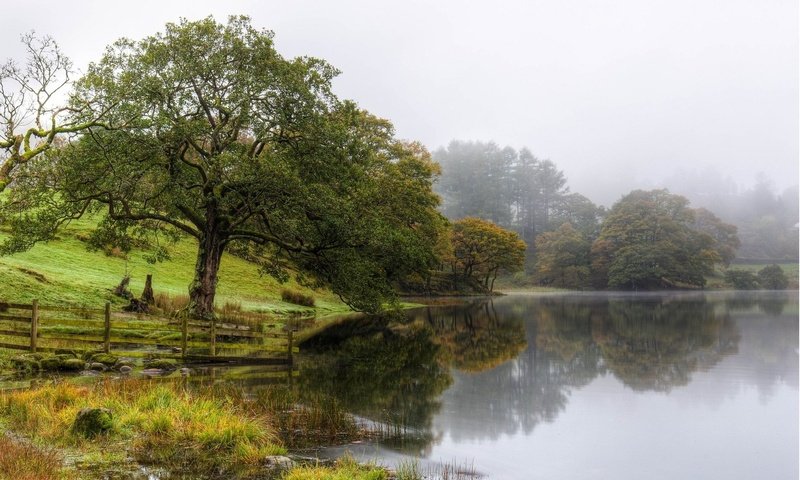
482 249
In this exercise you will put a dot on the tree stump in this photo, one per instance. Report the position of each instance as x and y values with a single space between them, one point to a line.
147 294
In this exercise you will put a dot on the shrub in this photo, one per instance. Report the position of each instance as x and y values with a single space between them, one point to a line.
772 277
741 279
297 298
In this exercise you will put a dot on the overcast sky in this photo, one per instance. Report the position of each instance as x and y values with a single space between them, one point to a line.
619 94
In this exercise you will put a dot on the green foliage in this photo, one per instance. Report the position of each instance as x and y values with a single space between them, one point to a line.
648 242
741 279
482 249
724 234
212 134
772 277
562 258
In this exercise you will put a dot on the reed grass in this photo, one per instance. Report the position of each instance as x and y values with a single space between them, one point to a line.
21 460
346 468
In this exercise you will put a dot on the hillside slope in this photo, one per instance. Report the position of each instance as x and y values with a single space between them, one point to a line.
63 271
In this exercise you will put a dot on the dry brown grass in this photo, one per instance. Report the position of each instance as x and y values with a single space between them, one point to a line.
20 460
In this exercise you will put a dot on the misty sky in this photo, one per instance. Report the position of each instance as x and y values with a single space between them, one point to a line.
619 94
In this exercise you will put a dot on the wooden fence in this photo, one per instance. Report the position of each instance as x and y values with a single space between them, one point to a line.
40 328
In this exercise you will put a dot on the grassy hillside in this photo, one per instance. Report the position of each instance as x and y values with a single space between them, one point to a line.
64 271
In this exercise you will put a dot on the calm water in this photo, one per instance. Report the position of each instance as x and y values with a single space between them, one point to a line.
670 386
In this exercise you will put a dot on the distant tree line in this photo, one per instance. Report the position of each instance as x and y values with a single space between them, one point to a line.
512 189
647 240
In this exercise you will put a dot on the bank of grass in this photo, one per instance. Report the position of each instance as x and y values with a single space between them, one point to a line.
160 423
194 430
64 271
345 469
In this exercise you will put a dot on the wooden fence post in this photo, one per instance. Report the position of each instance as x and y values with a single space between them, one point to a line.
291 347
34 324
184 334
107 329
213 347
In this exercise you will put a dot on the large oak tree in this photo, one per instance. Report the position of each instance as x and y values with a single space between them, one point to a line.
222 139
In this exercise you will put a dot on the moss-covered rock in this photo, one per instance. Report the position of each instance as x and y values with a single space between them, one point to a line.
168 364
66 352
72 365
51 364
25 364
91 422
105 358
88 354
62 363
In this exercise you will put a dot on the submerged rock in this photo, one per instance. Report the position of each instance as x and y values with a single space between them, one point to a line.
91 422
278 462
123 362
161 364
98 367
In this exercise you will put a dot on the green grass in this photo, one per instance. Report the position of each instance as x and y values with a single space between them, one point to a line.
162 424
345 469
63 271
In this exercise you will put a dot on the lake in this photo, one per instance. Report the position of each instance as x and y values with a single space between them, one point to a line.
578 386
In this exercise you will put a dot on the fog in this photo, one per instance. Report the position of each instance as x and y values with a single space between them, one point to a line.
620 95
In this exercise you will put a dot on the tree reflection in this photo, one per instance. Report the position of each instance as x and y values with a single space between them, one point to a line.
658 344
393 376
474 337
516 361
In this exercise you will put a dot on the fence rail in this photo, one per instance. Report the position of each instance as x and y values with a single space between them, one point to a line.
52 327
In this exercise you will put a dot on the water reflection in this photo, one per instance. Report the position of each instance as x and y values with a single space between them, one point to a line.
490 370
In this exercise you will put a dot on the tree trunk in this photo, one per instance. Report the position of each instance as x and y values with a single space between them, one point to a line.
204 286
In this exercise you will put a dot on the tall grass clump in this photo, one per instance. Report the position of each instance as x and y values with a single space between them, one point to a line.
346 468
310 420
409 470
297 298
22 461
171 304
